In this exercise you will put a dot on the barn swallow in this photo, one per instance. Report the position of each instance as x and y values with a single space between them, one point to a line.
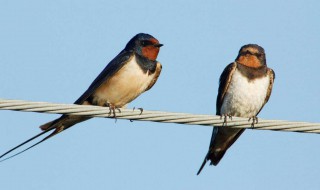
133 71
245 87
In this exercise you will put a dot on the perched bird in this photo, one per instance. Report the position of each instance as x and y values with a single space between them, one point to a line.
245 87
133 71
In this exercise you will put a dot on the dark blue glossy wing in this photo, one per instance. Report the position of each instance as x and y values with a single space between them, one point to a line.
272 76
225 80
218 135
114 66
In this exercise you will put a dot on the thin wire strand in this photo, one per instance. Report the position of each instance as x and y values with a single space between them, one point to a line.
157 116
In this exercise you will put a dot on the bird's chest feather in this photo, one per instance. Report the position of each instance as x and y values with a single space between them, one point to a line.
128 83
244 98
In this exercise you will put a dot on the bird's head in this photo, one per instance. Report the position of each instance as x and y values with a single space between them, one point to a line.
252 55
144 45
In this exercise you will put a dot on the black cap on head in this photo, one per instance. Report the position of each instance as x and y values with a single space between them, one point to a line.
134 42
251 47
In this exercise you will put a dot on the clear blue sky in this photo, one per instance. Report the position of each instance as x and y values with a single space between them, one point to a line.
52 51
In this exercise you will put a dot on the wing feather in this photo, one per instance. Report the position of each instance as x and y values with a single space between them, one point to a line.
272 76
113 67
224 83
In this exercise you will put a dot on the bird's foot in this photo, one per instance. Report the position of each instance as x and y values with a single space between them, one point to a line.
141 110
254 121
112 111
225 119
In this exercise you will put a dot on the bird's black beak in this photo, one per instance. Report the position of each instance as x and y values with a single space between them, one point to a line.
158 45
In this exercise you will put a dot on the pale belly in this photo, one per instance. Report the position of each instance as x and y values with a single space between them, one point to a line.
127 84
245 98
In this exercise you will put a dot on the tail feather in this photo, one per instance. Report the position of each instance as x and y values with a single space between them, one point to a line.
221 140
216 157
203 164
46 126
58 125
18 146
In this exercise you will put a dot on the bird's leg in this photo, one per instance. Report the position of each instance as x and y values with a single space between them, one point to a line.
112 110
225 119
254 121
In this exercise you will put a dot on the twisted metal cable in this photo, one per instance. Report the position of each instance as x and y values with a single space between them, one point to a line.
157 116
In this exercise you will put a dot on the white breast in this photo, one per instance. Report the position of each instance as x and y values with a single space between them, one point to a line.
245 98
127 84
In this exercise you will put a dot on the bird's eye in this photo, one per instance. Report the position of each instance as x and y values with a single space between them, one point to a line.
246 52
259 55
145 43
